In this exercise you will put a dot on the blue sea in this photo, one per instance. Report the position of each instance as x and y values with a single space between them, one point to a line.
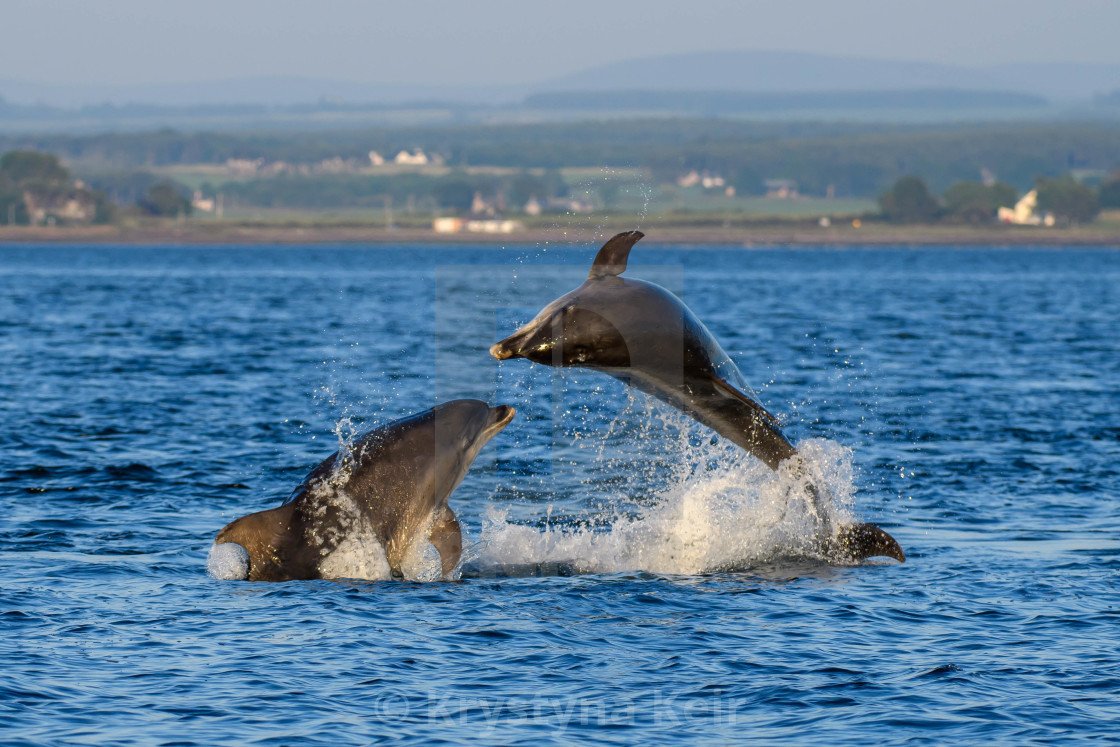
628 578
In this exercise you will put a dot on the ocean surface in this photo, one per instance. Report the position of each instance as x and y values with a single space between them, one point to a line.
627 577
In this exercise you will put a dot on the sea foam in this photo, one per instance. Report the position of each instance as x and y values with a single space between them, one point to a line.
228 561
733 514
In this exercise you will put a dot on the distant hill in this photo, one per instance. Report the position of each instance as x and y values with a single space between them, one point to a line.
758 71
716 103
802 72
736 71
789 86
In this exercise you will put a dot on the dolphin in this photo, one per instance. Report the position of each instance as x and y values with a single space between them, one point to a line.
391 487
642 334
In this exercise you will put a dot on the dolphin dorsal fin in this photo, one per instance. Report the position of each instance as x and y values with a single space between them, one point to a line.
611 259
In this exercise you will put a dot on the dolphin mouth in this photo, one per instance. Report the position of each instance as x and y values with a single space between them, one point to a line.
500 350
500 417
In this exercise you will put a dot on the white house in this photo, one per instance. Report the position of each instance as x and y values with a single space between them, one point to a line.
416 158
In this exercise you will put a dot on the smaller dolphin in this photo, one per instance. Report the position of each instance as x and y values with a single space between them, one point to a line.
642 334
390 488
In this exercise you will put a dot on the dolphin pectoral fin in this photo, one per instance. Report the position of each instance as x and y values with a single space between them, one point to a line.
758 409
860 541
611 259
447 538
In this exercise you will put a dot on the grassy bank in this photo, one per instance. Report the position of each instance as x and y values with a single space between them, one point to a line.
728 229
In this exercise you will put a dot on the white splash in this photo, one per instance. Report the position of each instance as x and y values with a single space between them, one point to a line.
228 561
736 513
357 555
422 561
354 549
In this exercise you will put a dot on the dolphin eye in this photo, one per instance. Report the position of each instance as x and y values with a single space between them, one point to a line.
591 340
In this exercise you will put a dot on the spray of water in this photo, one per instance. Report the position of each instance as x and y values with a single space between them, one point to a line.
733 514
228 562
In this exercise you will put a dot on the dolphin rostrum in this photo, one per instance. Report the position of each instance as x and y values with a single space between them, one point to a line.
385 493
642 334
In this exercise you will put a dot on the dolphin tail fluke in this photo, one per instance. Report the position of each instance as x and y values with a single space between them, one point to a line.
861 541
447 538
611 259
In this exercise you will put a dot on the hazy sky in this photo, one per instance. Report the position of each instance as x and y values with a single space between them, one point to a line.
516 41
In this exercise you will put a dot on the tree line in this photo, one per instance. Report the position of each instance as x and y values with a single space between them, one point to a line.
1071 202
36 189
847 160
844 160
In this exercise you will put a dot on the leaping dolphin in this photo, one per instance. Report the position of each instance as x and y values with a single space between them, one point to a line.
391 488
642 334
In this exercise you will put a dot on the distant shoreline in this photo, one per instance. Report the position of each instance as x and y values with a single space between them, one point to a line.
203 234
